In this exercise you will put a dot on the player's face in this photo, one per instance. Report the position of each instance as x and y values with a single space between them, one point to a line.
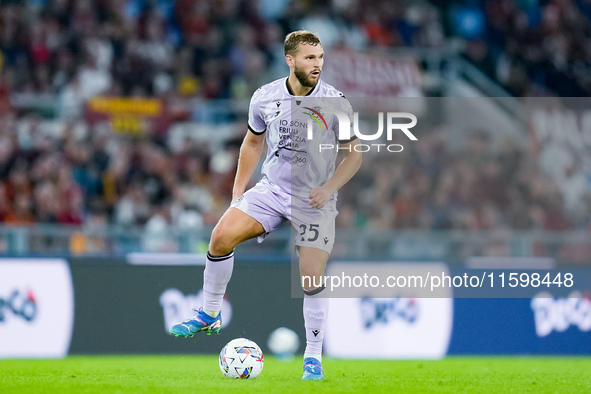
307 64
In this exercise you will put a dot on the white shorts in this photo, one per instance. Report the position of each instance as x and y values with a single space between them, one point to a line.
271 206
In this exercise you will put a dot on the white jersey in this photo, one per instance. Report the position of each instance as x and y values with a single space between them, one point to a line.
294 162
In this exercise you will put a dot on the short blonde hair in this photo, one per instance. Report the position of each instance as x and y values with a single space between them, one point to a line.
293 39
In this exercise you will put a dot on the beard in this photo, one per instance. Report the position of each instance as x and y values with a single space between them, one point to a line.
304 79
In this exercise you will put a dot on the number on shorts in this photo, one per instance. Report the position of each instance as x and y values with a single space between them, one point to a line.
313 228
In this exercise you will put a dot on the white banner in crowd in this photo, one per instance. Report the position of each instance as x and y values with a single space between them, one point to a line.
36 308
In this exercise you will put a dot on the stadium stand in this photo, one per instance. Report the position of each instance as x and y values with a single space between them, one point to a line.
62 163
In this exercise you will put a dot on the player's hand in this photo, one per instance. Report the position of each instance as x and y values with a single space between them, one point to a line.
319 196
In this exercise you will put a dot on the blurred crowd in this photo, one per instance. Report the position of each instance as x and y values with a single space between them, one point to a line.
74 50
227 48
205 48
106 178
478 187
533 48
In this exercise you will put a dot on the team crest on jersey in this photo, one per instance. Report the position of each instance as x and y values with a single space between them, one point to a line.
317 116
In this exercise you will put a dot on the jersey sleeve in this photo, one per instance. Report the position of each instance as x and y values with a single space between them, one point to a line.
256 121
345 106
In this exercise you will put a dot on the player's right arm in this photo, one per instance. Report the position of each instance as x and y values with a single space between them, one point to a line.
250 153
252 146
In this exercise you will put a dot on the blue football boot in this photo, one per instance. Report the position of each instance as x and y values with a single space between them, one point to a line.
201 322
312 369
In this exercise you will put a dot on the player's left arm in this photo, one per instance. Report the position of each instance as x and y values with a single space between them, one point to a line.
320 195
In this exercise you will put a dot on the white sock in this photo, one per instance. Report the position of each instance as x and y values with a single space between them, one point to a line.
217 274
315 314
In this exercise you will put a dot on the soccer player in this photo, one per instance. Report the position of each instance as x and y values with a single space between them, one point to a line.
299 184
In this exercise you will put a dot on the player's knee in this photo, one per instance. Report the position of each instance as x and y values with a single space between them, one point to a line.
220 248
221 242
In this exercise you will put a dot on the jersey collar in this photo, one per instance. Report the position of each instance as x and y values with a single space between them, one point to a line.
289 91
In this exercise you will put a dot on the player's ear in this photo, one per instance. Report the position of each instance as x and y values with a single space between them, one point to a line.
290 61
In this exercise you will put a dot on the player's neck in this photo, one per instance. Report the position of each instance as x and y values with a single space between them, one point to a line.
296 88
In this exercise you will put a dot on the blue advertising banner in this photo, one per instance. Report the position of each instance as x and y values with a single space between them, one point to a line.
540 325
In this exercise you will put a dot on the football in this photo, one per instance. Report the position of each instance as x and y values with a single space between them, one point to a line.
284 343
241 358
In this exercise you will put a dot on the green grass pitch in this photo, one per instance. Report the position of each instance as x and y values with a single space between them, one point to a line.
191 374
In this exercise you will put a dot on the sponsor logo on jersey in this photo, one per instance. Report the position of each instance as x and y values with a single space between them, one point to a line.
317 116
